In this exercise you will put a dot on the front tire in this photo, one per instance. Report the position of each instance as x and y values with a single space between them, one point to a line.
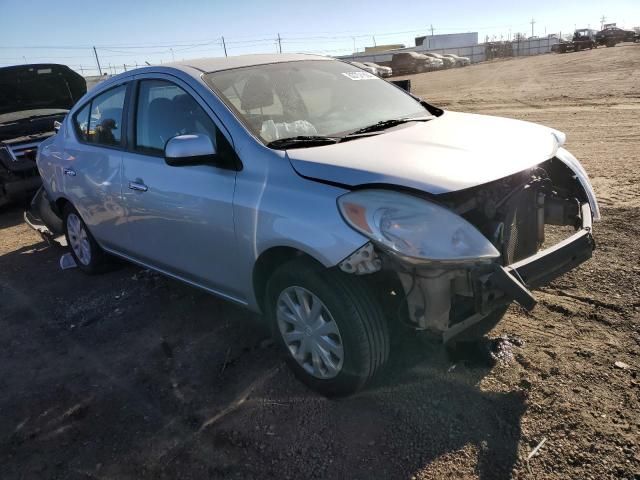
329 326
86 252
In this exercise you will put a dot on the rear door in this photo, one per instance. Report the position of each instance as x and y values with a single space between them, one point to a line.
92 164
179 219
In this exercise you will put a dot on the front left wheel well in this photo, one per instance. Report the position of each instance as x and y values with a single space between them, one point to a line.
267 263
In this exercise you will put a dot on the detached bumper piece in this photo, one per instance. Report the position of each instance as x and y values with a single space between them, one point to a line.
41 217
512 283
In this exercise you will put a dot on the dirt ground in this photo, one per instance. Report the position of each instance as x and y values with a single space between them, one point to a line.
131 375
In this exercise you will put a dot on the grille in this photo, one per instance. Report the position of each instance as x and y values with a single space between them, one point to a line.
520 227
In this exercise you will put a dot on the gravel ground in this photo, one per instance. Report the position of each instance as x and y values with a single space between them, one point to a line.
131 375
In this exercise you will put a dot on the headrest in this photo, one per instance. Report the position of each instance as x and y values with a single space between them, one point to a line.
257 93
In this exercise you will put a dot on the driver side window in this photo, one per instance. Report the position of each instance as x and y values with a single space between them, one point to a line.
164 111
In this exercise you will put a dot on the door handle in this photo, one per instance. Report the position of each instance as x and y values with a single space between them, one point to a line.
69 171
138 187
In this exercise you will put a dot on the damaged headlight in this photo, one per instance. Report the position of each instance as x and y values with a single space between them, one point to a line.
415 229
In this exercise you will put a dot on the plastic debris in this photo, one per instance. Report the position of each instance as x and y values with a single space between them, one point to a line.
622 365
535 450
67 261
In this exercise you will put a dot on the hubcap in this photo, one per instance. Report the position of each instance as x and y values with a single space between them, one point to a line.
78 239
310 332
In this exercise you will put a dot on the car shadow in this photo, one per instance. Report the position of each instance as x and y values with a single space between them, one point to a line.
444 408
167 382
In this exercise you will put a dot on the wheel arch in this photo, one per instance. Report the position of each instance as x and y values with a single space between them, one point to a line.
268 261
59 205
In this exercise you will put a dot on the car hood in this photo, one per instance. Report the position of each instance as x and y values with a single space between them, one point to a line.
449 153
39 86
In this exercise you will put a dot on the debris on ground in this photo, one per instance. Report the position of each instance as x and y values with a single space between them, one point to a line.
502 348
534 452
622 365
67 261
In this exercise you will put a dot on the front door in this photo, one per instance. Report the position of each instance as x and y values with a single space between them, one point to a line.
179 219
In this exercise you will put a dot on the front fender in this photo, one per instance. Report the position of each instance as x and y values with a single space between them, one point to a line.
581 174
274 207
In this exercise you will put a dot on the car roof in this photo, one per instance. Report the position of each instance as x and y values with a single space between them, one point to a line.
208 65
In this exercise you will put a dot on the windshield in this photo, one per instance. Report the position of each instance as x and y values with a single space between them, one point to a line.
310 98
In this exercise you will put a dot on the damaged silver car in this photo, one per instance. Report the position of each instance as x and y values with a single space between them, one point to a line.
321 195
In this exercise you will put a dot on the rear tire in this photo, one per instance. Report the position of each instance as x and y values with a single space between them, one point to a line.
86 252
340 348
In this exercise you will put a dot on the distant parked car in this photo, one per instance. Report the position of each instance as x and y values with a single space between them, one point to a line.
412 62
32 99
382 70
447 61
611 35
460 61
366 68
335 203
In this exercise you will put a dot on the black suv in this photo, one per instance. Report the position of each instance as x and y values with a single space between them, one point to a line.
32 98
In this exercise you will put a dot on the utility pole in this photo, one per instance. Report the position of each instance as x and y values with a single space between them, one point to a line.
602 20
224 46
279 44
97 60
25 59
124 65
532 24
374 40
432 30
354 44
173 57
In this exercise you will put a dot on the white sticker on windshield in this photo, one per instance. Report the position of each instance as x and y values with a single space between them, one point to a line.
359 75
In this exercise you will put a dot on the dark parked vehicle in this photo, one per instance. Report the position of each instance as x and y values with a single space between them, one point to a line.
583 39
612 35
32 99
411 62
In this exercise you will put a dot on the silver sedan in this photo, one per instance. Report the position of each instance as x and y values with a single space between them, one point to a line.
310 190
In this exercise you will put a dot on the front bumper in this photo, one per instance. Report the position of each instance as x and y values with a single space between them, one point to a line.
502 285
41 217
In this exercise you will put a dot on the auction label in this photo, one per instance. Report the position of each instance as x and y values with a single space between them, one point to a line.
359 75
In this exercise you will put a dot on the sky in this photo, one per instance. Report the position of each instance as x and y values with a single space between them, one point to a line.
130 32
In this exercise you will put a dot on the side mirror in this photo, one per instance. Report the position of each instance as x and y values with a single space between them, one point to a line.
184 150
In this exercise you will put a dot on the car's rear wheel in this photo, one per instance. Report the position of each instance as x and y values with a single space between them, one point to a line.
329 326
88 255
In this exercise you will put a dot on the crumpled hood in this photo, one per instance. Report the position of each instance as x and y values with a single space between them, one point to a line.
452 152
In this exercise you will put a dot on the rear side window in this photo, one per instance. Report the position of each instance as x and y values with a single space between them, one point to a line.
81 122
164 111
105 119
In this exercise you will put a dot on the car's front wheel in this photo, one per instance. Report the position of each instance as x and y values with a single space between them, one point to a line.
329 325
88 255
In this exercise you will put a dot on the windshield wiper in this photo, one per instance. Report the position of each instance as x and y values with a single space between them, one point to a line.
384 124
302 141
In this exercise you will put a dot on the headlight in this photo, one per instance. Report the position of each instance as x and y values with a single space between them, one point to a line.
415 229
